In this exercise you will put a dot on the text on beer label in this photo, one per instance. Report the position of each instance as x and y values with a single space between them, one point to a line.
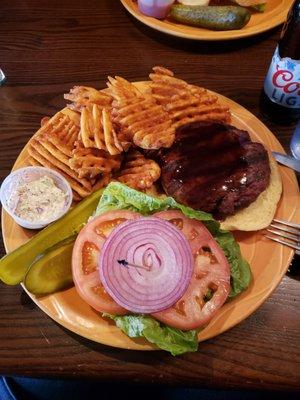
282 83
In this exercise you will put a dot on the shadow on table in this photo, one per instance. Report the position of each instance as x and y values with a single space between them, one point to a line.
294 269
121 355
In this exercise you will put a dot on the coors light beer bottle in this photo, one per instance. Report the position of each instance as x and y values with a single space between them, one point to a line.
280 97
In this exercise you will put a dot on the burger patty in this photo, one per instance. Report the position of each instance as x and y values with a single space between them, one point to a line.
215 168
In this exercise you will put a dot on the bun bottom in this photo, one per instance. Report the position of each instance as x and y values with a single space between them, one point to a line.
260 213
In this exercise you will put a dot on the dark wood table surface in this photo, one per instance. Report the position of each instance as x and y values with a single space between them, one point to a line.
45 48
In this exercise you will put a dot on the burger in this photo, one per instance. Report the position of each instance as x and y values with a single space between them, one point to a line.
217 168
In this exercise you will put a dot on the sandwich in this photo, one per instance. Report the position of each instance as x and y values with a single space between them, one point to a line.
217 168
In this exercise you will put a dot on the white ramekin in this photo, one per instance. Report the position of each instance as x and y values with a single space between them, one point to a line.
26 175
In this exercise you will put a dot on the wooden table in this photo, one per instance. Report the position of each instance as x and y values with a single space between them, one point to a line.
47 47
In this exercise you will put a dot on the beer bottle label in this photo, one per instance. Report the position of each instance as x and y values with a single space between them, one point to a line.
282 83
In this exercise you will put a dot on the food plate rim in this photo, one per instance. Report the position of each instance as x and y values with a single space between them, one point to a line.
210 35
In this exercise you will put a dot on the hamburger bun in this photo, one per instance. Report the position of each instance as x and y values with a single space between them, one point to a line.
260 213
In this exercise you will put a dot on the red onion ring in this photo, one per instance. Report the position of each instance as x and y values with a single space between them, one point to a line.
150 242
155 8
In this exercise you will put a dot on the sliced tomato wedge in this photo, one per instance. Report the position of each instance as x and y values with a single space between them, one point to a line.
85 260
210 283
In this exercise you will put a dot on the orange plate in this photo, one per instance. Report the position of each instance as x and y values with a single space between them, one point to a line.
269 261
275 14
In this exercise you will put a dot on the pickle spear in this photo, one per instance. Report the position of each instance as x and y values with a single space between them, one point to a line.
220 18
13 266
51 271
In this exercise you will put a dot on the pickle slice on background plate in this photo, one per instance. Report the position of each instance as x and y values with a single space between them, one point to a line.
221 18
13 266
51 271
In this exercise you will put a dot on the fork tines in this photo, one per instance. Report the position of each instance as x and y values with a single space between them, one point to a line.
286 233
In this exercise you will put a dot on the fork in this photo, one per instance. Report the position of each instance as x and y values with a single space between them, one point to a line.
287 233
295 142
2 77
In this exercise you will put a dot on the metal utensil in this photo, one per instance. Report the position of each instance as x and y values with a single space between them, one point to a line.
2 77
287 233
295 142
288 161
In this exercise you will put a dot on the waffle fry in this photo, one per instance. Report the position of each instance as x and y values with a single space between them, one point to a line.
185 103
52 147
81 187
61 131
44 120
140 118
101 182
138 172
91 130
89 163
112 143
86 141
75 185
82 96
97 130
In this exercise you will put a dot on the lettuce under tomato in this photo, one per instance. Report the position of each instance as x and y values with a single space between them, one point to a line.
117 196
239 268
170 339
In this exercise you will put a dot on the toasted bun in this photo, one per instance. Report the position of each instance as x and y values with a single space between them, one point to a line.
260 213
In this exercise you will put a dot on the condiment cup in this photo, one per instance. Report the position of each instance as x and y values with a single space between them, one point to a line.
9 197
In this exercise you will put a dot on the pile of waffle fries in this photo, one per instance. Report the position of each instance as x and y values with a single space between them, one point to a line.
101 136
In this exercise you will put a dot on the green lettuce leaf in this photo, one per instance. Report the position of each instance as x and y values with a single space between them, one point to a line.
239 268
170 339
117 196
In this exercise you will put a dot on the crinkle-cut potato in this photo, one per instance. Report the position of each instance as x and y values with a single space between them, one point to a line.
138 172
44 120
38 160
185 103
101 181
60 130
54 159
91 130
112 143
82 96
52 147
139 117
87 140
89 163
97 131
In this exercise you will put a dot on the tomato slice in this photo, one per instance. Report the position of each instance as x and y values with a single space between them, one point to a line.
211 272
85 260
211 277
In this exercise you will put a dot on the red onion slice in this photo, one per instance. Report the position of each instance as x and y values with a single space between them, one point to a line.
163 259
155 8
